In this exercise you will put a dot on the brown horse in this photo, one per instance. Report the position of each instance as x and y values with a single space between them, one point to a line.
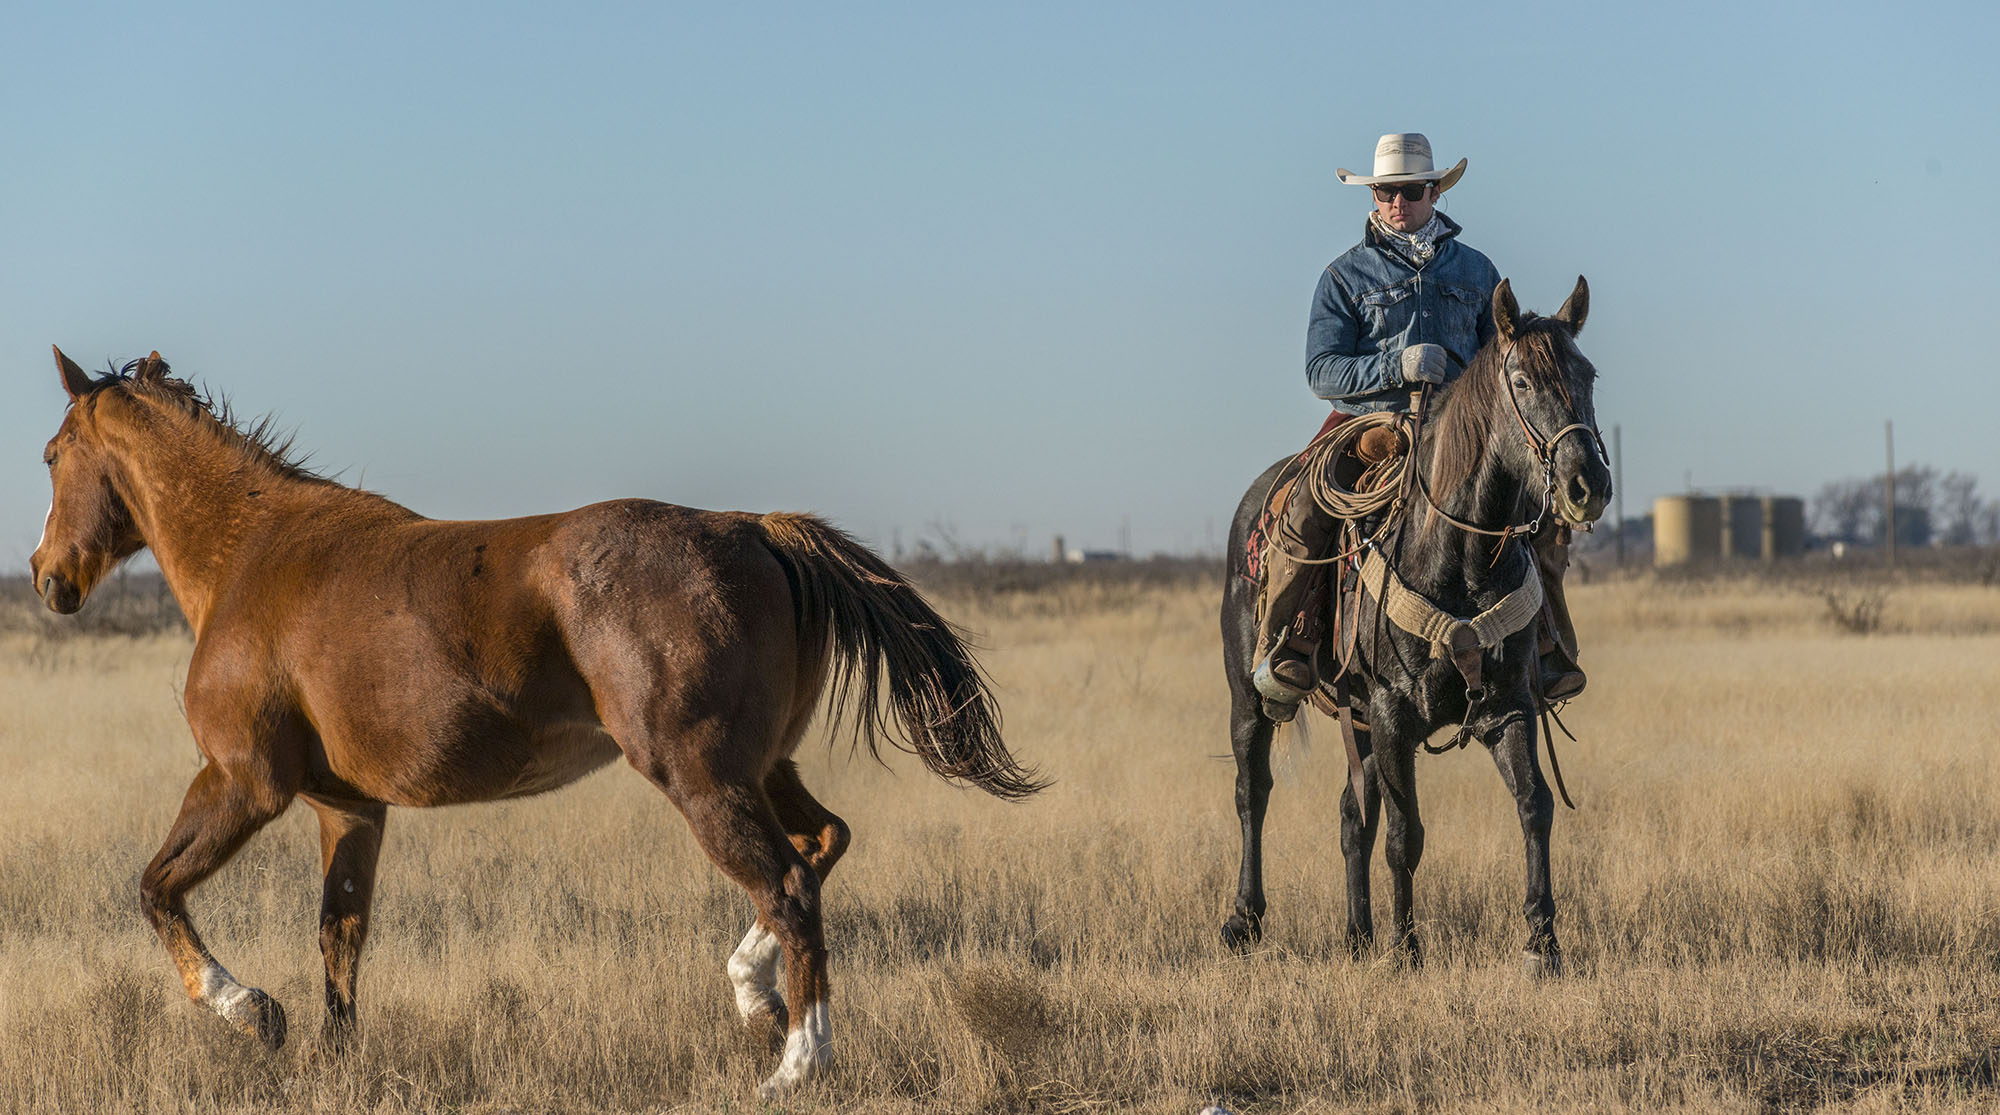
355 654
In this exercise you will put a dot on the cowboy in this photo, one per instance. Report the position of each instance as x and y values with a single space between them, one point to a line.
1408 306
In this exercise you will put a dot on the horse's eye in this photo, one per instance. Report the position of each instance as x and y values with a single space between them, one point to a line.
49 457
1520 382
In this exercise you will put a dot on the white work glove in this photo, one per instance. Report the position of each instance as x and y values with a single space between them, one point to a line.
1423 364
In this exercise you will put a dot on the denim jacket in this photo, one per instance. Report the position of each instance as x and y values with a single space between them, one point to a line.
1372 304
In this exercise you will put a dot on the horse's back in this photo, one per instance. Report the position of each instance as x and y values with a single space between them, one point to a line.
446 661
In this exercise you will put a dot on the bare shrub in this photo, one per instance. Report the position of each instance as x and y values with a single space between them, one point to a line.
1004 1008
1855 611
129 603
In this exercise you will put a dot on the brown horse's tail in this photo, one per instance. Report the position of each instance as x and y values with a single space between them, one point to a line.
876 622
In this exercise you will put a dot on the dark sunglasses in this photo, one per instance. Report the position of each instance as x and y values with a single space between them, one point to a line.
1411 191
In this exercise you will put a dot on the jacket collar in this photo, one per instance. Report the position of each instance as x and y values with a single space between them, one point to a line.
1375 240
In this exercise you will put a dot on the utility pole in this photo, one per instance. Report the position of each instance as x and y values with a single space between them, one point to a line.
1889 490
1618 490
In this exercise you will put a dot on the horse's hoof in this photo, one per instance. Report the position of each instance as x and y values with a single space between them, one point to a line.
806 1055
1409 953
1541 965
258 1015
336 1040
1239 933
769 1012
1360 945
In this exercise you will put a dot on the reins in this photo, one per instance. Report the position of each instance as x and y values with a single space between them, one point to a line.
1463 642
1543 449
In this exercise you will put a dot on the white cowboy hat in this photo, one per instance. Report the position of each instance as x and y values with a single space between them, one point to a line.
1404 157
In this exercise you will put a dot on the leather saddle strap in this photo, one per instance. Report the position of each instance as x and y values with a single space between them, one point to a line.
1357 776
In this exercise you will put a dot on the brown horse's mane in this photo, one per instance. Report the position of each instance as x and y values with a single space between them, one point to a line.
260 442
1467 410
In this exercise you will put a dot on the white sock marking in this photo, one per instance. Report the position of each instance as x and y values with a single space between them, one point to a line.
222 994
807 1049
753 968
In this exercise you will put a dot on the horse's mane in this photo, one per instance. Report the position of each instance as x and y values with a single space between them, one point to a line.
260 442
1467 409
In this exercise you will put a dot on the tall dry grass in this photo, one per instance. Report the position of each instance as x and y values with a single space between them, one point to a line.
1781 893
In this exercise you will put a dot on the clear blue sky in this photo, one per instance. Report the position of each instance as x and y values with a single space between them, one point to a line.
1020 269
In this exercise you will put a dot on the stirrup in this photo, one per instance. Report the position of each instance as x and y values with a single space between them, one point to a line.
1564 686
1561 681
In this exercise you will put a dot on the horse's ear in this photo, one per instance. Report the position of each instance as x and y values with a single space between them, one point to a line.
1576 307
152 368
75 381
1506 311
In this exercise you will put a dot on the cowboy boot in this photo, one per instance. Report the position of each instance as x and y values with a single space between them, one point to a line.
1562 678
1285 673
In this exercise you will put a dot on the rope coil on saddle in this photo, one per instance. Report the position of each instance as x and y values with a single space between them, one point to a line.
1311 473
1324 487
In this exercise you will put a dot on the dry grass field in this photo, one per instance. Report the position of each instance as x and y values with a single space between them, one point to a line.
1781 893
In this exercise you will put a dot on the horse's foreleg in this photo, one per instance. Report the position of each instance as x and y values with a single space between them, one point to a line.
1396 767
1514 754
1358 824
1250 733
217 816
350 842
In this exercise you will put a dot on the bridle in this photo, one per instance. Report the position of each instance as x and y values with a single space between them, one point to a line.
1543 448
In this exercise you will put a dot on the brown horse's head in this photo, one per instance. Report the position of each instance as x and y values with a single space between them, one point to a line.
1551 385
89 529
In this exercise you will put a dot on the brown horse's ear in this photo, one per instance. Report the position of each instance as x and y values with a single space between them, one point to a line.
1576 308
74 380
1506 311
152 367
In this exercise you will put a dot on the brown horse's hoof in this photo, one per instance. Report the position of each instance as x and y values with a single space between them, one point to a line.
1541 965
771 1012
256 1014
337 1038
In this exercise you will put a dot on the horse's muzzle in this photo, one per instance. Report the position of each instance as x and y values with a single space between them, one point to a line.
1588 511
1581 501
60 595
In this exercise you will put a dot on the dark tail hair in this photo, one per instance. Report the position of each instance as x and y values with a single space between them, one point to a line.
876 623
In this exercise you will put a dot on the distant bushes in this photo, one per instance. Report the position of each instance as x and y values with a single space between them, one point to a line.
130 603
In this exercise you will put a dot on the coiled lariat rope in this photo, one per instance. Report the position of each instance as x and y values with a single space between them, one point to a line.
1314 471
1326 491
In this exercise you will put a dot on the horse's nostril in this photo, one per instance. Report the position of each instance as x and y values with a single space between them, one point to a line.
1579 490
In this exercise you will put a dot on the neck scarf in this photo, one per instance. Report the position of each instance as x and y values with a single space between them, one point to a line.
1420 246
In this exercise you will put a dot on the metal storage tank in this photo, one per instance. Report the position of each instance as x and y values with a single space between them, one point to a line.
1784 527
1686 529
1742 527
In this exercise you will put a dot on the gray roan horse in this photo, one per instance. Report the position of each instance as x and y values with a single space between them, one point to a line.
1487 458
